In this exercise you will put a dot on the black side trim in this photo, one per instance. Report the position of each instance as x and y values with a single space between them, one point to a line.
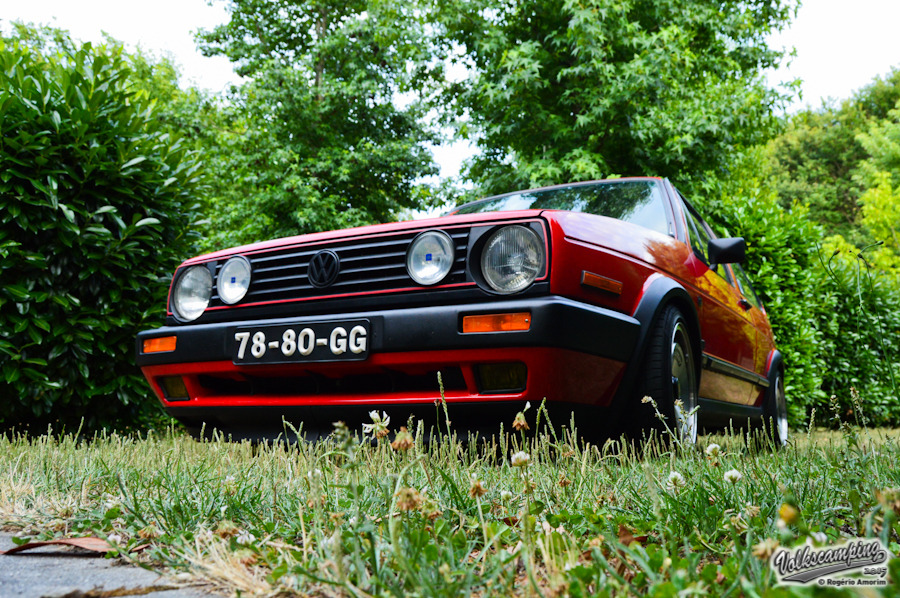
717 365
719 414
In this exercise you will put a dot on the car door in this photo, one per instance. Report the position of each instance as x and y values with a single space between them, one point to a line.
765 341
729 336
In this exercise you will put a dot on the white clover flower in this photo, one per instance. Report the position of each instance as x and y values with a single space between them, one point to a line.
733 476
114 539
379 426
520 459
713 450
505 495
819 537
675 481
111 502
244 537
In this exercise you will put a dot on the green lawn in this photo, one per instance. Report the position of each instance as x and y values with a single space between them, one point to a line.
455 518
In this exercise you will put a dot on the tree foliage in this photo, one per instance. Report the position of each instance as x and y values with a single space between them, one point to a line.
827 157
320 136
567 90
95 206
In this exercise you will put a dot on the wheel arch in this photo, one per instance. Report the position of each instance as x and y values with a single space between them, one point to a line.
658 294
774 361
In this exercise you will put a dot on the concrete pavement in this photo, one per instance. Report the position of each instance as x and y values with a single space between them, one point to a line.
65 572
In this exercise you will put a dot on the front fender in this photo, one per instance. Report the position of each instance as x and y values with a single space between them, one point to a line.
659 291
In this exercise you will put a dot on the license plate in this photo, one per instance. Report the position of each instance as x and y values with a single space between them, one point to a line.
307 342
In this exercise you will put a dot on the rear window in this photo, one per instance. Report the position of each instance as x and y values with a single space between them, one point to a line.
638 202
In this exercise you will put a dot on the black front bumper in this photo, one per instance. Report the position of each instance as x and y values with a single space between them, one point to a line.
556 322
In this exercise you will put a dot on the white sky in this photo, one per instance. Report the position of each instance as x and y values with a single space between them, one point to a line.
841 45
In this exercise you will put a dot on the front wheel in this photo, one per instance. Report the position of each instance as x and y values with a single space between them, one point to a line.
669 377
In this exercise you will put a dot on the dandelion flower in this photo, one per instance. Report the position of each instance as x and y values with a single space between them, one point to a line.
788 514
733 476
520 459
675 481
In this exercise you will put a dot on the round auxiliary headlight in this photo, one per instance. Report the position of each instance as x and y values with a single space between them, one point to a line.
192 292
430 257
512 258
233 280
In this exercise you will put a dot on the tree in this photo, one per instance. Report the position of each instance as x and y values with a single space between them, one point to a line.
564 90
818 158
322 136
96 200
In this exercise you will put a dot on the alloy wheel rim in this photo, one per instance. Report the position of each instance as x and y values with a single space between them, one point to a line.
781 417
684 390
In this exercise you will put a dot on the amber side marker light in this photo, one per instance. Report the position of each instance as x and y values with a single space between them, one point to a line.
589 279
160 344
497 322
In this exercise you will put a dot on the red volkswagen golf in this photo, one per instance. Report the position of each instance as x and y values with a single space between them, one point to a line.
591 295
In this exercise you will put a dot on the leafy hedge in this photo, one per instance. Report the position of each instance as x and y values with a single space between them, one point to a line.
95 199
837 327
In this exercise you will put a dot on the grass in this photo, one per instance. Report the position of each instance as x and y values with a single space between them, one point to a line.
522 514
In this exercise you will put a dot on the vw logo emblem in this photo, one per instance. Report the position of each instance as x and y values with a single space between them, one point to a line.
323 268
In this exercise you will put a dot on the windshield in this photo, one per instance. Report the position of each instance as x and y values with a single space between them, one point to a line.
636 201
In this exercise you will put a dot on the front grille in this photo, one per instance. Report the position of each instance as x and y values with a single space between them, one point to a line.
368 265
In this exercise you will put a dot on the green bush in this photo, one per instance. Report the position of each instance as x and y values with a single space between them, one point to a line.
95 202
782 261
836 330
863 334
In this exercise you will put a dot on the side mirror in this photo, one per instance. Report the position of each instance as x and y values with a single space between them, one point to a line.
726 251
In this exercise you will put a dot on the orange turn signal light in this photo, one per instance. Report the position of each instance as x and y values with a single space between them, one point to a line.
603 283
497 322
160 344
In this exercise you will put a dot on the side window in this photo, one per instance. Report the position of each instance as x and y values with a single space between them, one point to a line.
698 236
745 286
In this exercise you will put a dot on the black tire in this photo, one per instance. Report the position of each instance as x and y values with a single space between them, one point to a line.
775 417
668 375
